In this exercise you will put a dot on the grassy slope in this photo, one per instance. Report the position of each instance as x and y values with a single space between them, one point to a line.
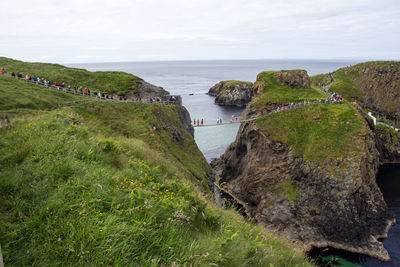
319 78
275 93
107 81
352 83
318 132
115 183
19 97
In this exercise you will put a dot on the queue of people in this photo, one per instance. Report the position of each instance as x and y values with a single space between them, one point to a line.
98 94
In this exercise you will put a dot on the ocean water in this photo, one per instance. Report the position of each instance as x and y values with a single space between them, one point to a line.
196 77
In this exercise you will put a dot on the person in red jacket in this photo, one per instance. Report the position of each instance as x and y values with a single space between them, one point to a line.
85 91
202 121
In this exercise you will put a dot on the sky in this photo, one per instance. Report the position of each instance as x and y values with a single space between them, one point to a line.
82 31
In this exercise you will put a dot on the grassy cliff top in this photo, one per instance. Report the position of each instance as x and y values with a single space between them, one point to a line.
235 82
105 183
373 84
106 81
318 132
18 97
275 93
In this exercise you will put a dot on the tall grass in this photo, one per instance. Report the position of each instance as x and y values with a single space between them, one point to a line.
118 184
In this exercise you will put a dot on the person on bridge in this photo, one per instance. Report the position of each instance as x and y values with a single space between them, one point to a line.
198 122
202 122
194 121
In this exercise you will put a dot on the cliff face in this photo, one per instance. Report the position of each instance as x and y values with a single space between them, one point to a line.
293 79
331 203
307 173
388 144
148 90
375 85
232 93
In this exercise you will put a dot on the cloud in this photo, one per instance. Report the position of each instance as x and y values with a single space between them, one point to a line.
95 30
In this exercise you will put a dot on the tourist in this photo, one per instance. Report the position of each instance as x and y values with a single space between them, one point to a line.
13 74
194 121
198 123
202 121
2 71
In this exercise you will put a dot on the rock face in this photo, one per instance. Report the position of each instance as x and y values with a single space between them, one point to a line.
301 199
293 79
216 89
184 117
147 90
388 145
232 93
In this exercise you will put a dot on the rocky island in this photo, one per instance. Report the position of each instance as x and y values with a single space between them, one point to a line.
309 173
231 93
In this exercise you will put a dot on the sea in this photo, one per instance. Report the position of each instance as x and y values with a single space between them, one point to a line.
193 79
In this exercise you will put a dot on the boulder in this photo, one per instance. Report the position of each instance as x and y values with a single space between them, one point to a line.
293 79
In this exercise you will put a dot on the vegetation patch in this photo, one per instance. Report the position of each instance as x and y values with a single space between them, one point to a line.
286 188
345 86
319 79
317 132
118 184
275 93
105 81
18 97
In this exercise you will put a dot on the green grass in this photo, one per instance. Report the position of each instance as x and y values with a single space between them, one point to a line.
320 78
275 93
318 132
18 97
234 82
106 81
345 86
118 184
371 84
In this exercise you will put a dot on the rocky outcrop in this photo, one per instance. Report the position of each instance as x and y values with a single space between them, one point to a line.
184 117
216 89
335 203
147 90
232 93
388 144
293 79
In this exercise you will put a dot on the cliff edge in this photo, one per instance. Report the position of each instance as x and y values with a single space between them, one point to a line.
308 173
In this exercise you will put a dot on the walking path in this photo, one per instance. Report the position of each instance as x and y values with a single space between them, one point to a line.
170 99
280 109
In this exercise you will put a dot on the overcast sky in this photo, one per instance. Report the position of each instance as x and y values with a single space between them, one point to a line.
73 31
